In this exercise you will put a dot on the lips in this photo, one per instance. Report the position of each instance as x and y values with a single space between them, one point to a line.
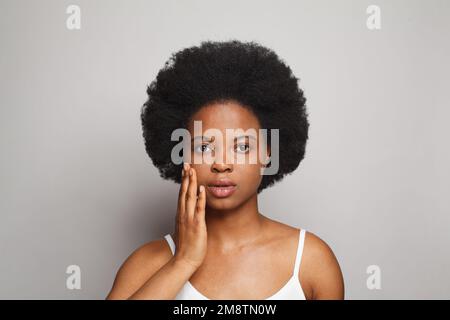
222 188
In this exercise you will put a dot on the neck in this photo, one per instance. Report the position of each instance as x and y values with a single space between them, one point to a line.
231 228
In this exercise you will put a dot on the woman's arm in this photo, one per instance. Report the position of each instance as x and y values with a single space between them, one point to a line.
166 282
322 270
144 275
163 280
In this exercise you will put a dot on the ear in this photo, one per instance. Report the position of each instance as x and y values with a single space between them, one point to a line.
268 154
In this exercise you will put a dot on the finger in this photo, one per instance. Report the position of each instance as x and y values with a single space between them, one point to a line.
182 194
201 203
191 195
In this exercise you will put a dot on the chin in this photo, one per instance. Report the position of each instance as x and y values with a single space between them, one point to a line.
221 203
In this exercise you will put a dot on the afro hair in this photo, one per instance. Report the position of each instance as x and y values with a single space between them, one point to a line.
245 72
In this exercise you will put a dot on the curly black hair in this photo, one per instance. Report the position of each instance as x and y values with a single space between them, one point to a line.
245 72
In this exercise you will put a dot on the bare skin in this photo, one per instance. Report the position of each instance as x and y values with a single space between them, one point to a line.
226 248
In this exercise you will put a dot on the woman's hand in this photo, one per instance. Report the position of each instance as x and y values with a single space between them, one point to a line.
190 230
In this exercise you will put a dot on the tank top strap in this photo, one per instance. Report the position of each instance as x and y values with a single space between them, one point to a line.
298 257
171 243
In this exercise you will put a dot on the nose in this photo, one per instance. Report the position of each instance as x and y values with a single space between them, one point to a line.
221 167
218 164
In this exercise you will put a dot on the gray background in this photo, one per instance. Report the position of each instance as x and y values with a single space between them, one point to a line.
78 188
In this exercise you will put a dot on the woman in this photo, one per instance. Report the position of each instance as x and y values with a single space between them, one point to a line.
223 247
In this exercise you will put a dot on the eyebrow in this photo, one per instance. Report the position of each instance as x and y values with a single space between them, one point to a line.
210 138
200 137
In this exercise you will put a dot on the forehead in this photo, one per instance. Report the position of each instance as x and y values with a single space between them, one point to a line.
224 115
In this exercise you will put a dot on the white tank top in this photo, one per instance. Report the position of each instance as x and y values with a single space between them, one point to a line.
291 290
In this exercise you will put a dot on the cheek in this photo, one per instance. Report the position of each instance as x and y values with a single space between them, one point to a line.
250 176
202 172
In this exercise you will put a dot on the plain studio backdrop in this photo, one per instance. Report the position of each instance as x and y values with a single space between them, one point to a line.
77 187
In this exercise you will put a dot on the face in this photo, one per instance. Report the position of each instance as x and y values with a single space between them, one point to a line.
223 152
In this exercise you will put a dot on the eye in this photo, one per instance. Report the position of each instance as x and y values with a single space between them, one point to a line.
243 147
201 148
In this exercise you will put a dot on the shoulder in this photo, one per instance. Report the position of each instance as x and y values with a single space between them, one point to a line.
320 275
138 267
320 270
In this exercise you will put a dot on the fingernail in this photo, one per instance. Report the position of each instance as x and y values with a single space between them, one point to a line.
190 172
202 188
184 166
